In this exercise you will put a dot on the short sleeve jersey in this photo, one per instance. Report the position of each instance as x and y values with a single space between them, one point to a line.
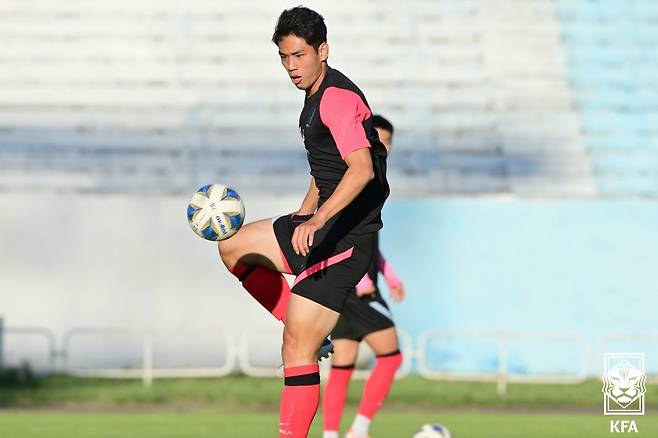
335 121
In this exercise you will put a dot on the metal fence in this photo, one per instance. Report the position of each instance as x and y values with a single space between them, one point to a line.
236 353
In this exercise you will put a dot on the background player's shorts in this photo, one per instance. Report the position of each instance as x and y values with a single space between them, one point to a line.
335 264
362 316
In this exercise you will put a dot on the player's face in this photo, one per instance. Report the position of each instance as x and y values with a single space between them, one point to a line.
386 137
302 62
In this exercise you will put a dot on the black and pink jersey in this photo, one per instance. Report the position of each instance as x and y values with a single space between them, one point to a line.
335 121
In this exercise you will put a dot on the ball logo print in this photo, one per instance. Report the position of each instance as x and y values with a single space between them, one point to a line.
624 384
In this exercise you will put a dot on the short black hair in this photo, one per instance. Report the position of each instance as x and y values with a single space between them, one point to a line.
380 122
302 22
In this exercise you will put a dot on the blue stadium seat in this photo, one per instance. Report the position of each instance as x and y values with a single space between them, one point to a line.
613 67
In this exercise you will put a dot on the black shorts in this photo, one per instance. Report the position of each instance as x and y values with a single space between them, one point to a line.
362 316
335 264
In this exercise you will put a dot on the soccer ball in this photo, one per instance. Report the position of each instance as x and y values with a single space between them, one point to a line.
433 431
215 212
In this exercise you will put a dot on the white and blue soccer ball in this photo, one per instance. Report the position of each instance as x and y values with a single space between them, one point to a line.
215 212
432 431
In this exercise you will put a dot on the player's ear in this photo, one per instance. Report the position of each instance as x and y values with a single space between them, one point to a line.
323 51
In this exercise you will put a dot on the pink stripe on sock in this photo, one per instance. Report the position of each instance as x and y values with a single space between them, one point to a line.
324 264
301 370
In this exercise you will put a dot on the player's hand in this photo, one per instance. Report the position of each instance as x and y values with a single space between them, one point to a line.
362 292
396 291
302 238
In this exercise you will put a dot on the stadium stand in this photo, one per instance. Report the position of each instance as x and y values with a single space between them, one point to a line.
613 70
502 96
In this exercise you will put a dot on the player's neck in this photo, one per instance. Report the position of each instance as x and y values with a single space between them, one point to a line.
316 85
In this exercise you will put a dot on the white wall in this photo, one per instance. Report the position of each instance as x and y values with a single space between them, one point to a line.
120 261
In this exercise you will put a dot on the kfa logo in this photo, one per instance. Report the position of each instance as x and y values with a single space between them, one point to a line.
624 386
622 426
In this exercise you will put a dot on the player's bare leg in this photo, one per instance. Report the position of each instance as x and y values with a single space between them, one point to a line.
345 352
307 325
383 342
335 392
253 255
255 245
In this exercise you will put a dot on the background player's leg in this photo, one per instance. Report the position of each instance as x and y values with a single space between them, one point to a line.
307 325
333 400
254 257
385 345
383 341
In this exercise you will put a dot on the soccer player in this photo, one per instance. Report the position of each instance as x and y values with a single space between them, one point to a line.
365 317
330 242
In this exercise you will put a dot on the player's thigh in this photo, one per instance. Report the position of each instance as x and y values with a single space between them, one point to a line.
345 352
383 341
254 244
307 324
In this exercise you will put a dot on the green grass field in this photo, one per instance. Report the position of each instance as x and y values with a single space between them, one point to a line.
389 424
244 407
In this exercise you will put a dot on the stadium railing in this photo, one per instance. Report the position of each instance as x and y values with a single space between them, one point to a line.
503 376
149 369
30 332
363 362
237 352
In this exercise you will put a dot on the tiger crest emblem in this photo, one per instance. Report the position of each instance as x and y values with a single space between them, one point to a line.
624 383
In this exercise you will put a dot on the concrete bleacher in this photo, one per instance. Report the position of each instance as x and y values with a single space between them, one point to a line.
613 61
165 95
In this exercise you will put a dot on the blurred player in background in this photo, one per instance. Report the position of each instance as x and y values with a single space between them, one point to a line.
330 242
365 317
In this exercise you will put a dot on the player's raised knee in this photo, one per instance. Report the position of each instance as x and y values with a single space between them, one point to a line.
228 252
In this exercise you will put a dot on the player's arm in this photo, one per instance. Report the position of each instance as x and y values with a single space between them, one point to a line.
310 202
395 286
358 175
